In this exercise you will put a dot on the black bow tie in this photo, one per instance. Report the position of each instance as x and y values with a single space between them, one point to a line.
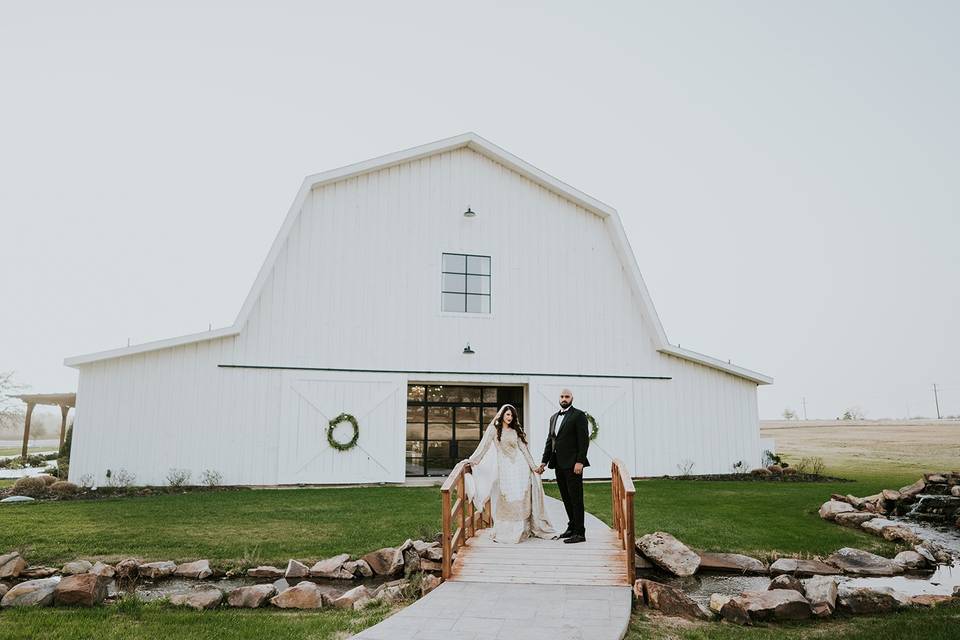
563 411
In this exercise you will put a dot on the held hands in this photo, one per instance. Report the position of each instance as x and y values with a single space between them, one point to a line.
578 469
539 470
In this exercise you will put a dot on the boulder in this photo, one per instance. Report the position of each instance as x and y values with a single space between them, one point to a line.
3 590
76 567
890 494
430 565
127 568
433 553
734 611
32 593
11 565
33 573
854 500
935 478
84 589
717 600
830 509
854 518
877 525
199 600
910 560
17 499
669 600
428 584
730 562
786 581
863 563
668 553
304 595
385 562
871 599
332 567
912 490
955 491
929 600
102 570
265 571
296 569
360 568
422 547
198 570
900 533
251 597
154 570
411 561
821 593
389 594
778 604
352 599
280 585
802 568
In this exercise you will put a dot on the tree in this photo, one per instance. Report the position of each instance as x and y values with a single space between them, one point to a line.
853 413
11 409
789 414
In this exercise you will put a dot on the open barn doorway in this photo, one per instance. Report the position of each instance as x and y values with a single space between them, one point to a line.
445 422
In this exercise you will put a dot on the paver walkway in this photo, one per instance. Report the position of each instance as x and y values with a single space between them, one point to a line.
531 602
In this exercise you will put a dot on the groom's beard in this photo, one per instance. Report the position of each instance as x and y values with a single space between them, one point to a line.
564 405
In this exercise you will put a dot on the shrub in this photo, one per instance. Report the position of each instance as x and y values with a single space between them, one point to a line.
47 480
122 478
86 481
761 472
211 478
789 471
739 467
33 487
64 488
685 467
178 477
817 466
775 469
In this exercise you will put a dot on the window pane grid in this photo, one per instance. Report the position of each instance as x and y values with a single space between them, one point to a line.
465 285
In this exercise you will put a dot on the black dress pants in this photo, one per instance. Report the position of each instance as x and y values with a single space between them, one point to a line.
571 490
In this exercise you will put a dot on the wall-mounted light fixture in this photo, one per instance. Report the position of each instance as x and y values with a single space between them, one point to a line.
467 350
469 213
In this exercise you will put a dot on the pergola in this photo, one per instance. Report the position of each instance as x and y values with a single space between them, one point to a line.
62 400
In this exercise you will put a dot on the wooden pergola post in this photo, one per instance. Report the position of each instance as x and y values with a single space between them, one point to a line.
64 410
26 429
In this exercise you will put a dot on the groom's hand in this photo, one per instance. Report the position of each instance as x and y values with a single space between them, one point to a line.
539 470
578 468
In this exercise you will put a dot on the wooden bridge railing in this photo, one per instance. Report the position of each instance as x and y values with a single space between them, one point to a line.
461 513
622 490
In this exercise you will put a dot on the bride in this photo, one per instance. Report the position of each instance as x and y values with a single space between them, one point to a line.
503 469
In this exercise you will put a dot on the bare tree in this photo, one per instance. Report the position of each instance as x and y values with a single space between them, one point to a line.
789 414
11 409
853 413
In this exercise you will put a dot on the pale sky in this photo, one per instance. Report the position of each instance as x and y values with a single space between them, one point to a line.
787 172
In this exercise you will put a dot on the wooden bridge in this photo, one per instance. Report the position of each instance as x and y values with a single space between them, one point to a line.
471 555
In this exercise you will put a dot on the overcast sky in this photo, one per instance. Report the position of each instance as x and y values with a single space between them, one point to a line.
787 172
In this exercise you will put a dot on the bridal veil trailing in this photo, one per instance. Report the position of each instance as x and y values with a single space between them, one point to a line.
503 470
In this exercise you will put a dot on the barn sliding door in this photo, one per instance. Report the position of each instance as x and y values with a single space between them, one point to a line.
310 400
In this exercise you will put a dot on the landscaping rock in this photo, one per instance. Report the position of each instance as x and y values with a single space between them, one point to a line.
830 509
102 570
385 562
85 589
198 570
730 562
669 600
305 595
265 571
821 593
3 590
434 554
422 547
32 593
802 568
200 600
786 581
428 584
900 533
251 597
935 478
863 563
76 567
854 518
890 494
34 573
127 568
332 567
17 499
389 594
734 611
928 600
668 553
871 599
296 569
11 565
717 600
411 561
910 560
955 491
154 570
430 565
360 568
877 525
352 599
280 585
912 490
779 604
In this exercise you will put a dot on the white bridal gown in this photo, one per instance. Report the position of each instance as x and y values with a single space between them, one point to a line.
503 470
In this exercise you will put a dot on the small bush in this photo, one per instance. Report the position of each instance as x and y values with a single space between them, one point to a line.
86 481
775 469
64 488
47 480
739 467
120 478
761 472
789 471
211 478
817 466
178 477
32 487
685 467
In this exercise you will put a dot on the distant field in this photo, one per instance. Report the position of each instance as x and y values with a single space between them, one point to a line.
870 447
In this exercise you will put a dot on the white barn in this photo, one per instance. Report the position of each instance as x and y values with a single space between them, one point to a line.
383 297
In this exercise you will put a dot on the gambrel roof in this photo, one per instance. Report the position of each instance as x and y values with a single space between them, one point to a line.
486 148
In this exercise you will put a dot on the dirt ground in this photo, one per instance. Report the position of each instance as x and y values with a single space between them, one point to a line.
880 445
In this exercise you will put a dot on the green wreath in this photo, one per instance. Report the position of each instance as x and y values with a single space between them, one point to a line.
594 429
343 446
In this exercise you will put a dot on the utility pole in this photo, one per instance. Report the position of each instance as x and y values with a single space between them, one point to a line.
936 399
803 401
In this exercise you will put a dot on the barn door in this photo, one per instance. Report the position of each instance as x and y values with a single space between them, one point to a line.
609 402
310 400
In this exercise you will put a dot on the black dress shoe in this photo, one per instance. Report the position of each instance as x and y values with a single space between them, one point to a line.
565 534
574 539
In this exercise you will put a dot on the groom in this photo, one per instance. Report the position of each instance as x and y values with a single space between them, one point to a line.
566 451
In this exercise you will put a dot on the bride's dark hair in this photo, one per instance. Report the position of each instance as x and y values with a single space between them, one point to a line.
515 424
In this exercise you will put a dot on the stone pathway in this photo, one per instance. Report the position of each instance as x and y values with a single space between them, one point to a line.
488 610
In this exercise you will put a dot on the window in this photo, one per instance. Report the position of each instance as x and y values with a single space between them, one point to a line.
466 283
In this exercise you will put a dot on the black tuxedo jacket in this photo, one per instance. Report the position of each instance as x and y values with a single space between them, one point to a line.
568 447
